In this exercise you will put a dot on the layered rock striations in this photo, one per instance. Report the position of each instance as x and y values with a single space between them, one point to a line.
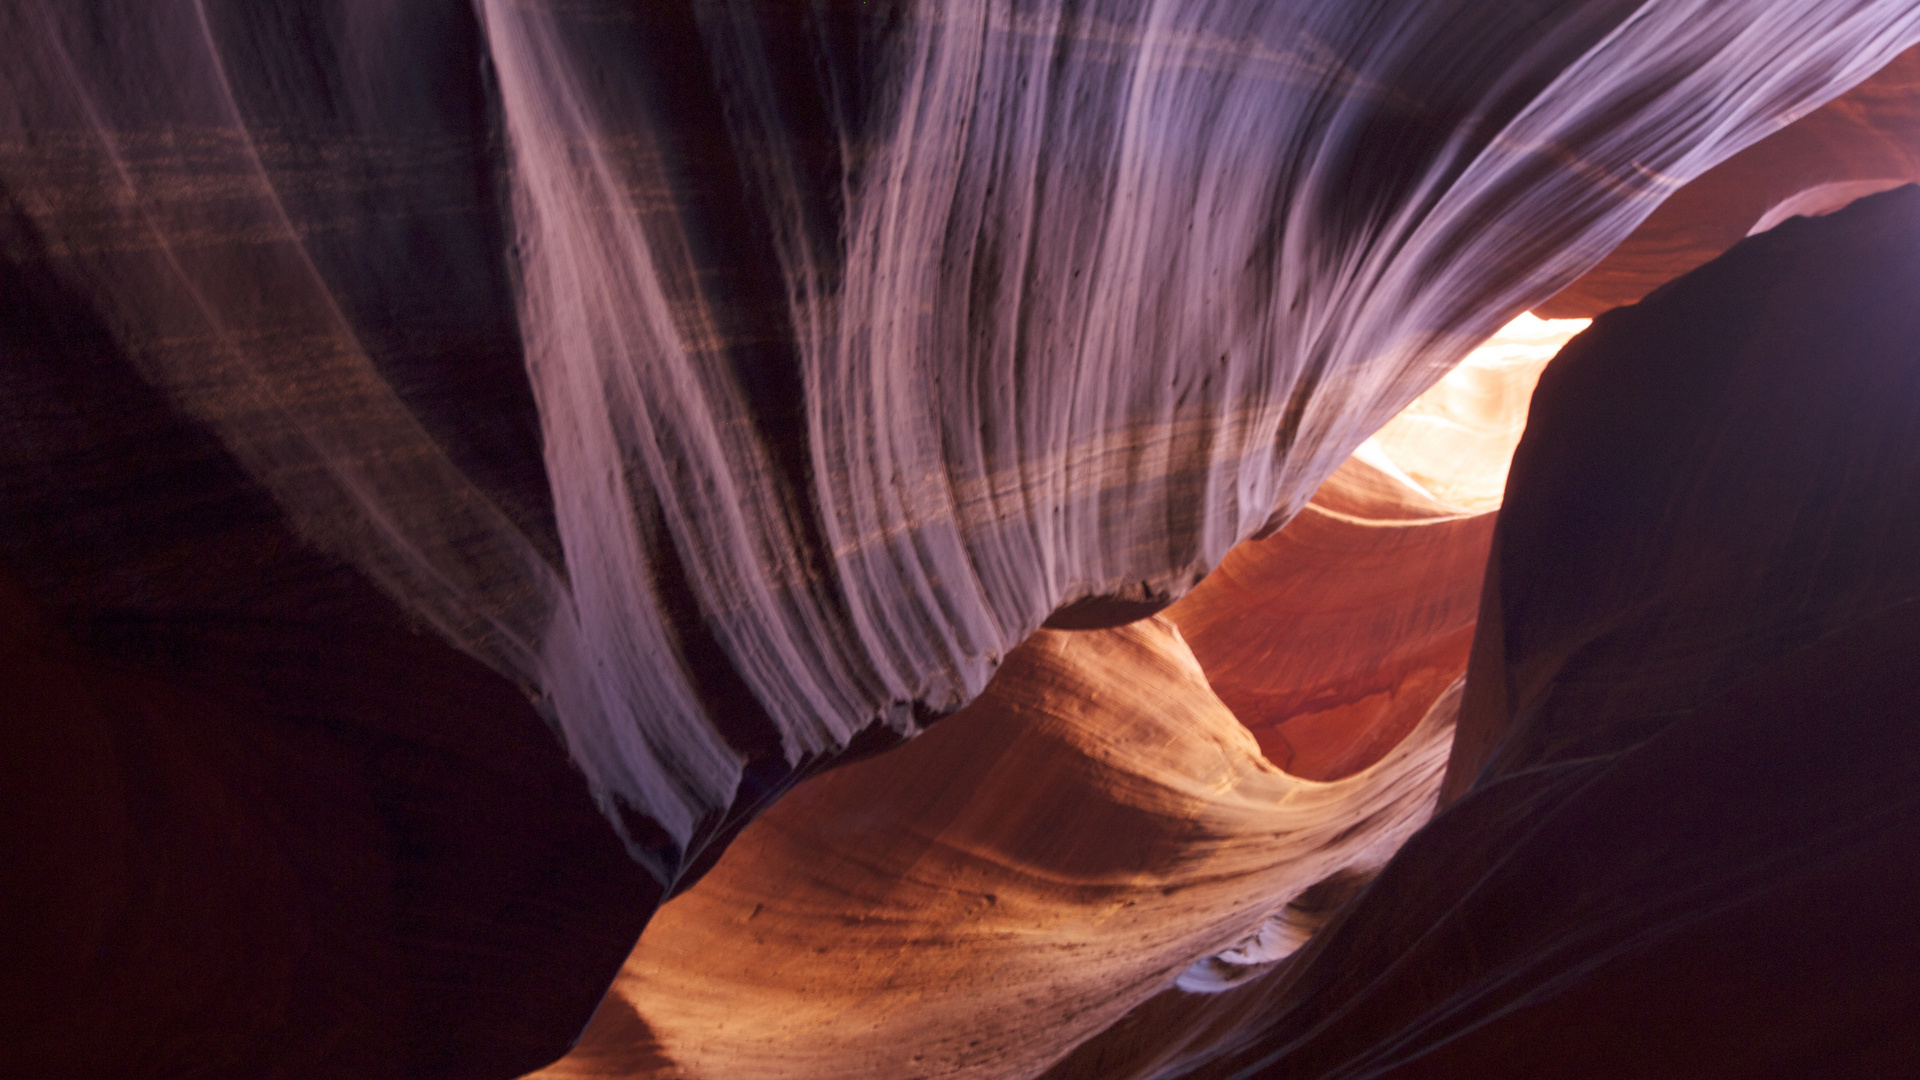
1861 142
1179 802
854 345
730 388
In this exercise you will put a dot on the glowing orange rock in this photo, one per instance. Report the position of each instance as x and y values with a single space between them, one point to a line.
1331 638
982 899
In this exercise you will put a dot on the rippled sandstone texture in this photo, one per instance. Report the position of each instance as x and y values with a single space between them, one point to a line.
739 384
981 900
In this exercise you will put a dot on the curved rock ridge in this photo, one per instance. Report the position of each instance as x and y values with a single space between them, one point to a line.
740 379
1865 141
1330 639
977 902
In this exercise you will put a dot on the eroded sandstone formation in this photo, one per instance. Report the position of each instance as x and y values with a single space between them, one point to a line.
1679 839
911 916
1331 639
731 389
981 900
1189 792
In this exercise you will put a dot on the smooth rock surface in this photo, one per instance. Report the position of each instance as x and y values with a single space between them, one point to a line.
1330 639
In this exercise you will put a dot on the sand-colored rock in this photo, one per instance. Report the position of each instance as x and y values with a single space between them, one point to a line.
979 901
1331 638
844 933
733 387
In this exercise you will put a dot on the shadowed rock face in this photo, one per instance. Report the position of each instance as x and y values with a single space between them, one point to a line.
732 389
1687 734
255 822
1665 471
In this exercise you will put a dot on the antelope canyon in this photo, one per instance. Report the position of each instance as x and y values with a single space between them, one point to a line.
1078 539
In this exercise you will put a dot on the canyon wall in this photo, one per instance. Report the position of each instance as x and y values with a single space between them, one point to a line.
732 389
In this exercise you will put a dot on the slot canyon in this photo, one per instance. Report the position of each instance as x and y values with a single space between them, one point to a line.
991 539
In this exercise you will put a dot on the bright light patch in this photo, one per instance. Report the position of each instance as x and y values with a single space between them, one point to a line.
1456 440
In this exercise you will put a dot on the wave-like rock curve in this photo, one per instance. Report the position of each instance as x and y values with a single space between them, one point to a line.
858 342
741 384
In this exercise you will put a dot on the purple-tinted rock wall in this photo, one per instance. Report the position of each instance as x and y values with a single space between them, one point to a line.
739 383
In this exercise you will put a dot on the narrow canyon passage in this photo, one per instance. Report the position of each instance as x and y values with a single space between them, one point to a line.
756 538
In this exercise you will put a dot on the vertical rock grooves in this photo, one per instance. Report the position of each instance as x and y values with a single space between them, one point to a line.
1045 220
